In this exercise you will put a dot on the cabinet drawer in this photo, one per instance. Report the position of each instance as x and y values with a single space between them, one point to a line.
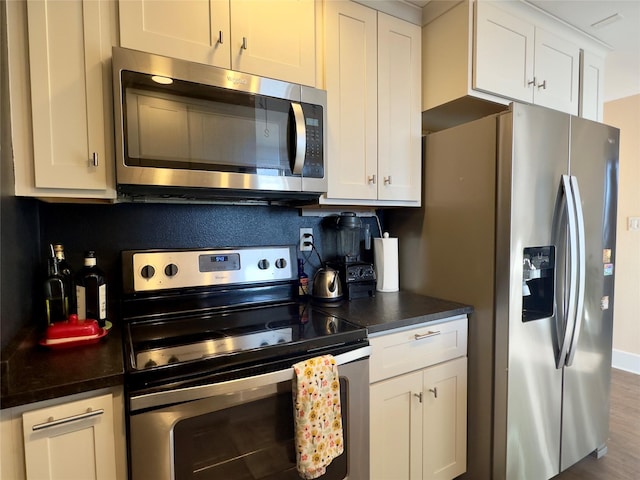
417 347
71 440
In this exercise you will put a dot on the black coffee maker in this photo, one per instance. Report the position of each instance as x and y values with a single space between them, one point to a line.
358 276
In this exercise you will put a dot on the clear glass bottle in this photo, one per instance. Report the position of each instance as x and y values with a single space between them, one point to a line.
56 294
64 268
91 291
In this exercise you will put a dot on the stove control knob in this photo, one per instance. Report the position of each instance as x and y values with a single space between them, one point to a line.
171 270
173 359
263 264
281 263
147 272
150 363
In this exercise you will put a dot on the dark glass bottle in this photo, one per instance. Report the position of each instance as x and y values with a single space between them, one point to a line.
56 294
303 280
64 268
91 291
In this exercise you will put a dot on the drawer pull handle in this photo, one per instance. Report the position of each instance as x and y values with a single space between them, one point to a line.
434 390
420 336
419 396
53 423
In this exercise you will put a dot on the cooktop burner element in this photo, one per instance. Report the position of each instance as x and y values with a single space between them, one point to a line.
195 313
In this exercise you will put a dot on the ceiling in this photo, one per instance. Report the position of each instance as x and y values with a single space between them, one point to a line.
621 32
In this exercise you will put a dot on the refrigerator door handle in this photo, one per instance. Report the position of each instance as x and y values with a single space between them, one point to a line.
565 316
581 265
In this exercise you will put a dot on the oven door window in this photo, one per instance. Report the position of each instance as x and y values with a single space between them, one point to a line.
253 440
195 127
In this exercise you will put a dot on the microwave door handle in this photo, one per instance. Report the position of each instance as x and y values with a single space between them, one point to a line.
300 134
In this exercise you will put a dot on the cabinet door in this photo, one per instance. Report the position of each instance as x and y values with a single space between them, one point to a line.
557 70
396 428
274 39
591 86
71 441
195 30
352 92
399 115
67 94
503 54
445 420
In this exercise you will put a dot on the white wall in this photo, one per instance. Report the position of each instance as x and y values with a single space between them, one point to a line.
624 113
621 75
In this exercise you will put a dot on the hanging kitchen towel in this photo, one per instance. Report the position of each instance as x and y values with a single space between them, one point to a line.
318 421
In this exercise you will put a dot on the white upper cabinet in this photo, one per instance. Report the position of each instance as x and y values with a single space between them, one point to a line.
273 39
373 107
557 73
515 59
502 51
352 100
592 86
195 30
60 98
399 119
504 47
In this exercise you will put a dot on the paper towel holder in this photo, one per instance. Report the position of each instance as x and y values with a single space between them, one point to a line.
386 263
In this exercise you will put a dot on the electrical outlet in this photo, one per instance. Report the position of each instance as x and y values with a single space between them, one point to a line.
633 223
305 240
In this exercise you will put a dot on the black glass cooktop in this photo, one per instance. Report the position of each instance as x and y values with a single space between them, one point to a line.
199 343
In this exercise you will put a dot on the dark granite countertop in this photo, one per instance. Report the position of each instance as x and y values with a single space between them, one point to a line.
32 373
389 310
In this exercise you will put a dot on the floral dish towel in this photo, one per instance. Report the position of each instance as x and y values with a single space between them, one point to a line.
318 421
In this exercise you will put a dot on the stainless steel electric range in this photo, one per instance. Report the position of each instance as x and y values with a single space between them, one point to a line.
210 339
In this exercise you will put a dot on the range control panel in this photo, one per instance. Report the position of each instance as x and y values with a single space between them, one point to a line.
151 270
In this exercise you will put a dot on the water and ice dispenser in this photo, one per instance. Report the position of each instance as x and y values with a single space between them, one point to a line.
538 277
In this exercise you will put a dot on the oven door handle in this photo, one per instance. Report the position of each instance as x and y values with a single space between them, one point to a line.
158 399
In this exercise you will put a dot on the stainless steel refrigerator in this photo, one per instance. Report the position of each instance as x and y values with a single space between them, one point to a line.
519 220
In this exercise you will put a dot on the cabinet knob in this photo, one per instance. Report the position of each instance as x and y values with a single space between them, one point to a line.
94 159
418 396
244 43
371 179
532 82
543 85
220 38
387 180
434 390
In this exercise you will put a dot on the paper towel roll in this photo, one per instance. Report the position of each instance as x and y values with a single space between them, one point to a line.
385 252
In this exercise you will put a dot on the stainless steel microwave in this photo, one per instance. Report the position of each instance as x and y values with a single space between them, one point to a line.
192 131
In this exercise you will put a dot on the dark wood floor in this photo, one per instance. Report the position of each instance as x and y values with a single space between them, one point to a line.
622 461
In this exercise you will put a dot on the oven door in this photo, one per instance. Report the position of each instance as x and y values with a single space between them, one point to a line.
243 429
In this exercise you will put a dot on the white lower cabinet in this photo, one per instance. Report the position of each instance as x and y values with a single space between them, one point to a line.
419 418
78 437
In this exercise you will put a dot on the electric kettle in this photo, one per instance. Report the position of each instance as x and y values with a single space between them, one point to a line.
326 285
